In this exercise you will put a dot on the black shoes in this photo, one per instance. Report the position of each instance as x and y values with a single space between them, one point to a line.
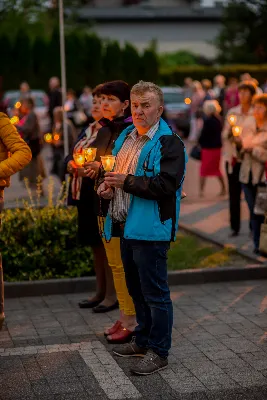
234 234
88 303
102 309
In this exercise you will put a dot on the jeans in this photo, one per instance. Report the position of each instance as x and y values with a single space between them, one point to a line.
250 192
145 265
234 196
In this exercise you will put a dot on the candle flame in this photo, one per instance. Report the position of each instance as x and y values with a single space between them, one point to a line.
14 120
17 104
232 119
237 131
48 138
108 162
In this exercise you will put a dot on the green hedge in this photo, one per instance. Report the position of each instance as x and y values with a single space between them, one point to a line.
176 75
89 60
41 244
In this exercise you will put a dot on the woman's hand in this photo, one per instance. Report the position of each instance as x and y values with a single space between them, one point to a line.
105 191
94 165
71 167
91 169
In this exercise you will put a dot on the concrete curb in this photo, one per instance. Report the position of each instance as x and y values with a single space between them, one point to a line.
87 284
212 239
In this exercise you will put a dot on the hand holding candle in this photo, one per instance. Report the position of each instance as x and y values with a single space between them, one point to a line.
236 130
115 179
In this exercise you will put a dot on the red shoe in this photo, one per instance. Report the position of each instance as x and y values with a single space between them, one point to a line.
122 335
113 329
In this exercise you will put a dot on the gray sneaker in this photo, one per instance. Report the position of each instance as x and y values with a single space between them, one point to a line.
130 350
150 364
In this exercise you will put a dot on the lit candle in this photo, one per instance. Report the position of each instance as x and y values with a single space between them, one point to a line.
18 104
236 130
56 137
14 120
90 154
48 138
187 100
108 162
232 119
79 159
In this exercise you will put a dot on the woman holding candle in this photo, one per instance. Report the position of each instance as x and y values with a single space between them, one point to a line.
116 112
238 116
211 143
252 171
82 194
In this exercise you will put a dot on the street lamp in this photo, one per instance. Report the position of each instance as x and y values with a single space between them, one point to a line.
63 75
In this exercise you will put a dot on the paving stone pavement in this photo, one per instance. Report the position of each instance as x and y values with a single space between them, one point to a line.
51 349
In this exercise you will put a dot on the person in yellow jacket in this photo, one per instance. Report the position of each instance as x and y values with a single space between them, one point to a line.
15 154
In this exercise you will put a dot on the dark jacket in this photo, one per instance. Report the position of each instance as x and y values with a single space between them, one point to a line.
104 142
210 137
31 133
106 137
55 100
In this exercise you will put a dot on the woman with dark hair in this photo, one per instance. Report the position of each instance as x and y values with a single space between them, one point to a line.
115 105
82 195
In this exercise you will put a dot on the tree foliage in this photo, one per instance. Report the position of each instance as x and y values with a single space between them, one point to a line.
243 36
29 38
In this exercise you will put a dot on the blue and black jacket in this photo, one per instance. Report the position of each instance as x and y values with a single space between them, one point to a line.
155 188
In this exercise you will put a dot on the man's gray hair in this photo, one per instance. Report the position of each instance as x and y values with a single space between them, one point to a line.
143 87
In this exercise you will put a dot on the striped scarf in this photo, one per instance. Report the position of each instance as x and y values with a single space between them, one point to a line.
90 136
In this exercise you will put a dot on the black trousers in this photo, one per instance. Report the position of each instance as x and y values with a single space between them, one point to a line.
235 189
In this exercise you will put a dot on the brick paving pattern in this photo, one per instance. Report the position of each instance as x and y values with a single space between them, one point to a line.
50 349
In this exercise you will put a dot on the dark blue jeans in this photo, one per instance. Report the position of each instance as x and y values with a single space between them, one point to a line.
145 265
250 192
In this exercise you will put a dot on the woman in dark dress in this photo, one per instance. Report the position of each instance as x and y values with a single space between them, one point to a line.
116 110
211 143
82 195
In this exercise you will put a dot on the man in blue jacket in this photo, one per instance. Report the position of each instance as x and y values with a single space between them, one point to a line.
145 189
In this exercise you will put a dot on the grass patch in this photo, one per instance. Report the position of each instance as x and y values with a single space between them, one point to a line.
189 252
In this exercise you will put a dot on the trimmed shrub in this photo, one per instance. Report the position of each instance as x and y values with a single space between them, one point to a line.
41 244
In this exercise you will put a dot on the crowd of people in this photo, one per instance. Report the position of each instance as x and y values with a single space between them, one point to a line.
128 195
127 213
231 122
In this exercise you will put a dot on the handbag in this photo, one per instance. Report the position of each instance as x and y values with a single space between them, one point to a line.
263 237
260 207
196 152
